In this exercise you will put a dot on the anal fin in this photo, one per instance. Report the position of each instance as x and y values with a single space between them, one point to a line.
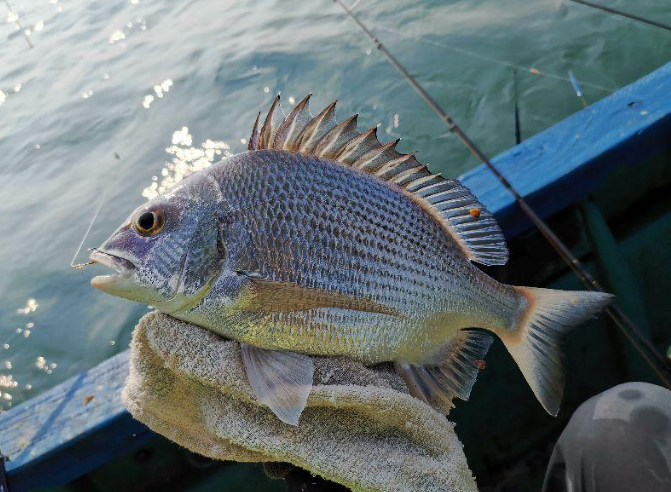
282 380
453 374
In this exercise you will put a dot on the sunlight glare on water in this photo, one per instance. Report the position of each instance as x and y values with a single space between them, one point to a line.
186 161
119 100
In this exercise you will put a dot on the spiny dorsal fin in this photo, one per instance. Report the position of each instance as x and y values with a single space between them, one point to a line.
289 131
451 203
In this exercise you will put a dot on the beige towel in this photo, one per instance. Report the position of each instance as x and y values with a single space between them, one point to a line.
360 428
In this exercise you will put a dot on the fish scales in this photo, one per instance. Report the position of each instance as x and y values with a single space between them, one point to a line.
353 232
361 238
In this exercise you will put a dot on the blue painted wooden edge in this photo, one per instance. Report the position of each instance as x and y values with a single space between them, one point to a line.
562 164
70 429
62 433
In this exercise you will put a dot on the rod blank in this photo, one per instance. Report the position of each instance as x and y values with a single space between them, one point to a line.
635 17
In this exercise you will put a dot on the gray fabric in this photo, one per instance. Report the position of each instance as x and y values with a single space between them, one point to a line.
360 428
618 441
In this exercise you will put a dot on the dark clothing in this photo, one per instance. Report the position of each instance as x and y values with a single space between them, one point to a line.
617 441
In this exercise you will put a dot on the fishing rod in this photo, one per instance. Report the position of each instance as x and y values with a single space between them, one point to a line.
635 17
518 130
662 367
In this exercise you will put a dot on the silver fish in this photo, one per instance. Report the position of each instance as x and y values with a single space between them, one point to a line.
320 240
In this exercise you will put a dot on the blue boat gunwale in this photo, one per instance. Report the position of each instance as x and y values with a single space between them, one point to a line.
81 423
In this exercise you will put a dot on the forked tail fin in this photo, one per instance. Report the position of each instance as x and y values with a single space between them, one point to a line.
534 342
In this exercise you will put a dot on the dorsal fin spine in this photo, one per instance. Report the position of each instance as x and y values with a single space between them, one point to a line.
423 181
329 145
389 170
267 130
410 175
288 131
253 143
435 188
369 157
358 146
319 126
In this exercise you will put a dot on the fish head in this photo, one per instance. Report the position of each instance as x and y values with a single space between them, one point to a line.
168 251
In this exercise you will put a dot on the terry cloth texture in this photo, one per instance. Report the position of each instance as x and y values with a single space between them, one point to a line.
361 428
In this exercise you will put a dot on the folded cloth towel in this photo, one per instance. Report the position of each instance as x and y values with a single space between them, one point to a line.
360 428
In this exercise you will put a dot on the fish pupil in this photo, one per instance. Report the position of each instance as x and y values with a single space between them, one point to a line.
146 221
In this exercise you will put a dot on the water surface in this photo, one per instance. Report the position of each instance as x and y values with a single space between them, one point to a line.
119 94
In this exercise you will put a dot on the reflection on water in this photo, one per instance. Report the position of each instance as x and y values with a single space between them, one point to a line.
117 35
30 307
12 350
4 96
120 34
42 364
187 160
160 90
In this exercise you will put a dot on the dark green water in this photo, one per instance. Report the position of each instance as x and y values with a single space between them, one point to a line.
89 89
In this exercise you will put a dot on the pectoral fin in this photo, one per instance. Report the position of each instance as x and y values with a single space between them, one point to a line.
282 380
272 296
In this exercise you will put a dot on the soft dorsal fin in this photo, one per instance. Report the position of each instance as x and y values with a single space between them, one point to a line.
447 200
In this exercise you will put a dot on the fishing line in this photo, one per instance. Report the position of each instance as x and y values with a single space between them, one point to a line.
86 234
611 10
503 63
103 199
18 24
662 367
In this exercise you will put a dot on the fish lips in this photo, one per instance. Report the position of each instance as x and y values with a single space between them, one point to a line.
120 280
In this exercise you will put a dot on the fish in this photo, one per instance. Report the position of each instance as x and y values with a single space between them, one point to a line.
319 240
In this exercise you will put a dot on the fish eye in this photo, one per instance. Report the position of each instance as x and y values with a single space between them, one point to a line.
150 222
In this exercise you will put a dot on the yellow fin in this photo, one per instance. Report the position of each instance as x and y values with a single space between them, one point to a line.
535 341
453 373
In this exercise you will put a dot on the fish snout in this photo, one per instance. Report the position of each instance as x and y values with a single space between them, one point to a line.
122 267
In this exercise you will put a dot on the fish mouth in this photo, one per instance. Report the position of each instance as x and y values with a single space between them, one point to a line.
122 267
